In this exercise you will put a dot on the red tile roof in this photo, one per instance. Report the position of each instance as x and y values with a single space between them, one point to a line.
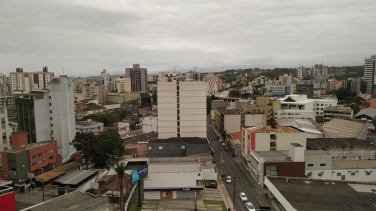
237 135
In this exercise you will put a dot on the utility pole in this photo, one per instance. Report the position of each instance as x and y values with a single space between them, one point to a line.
139 193
43 188
233 199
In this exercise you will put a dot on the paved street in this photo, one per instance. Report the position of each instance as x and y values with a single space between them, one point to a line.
231 168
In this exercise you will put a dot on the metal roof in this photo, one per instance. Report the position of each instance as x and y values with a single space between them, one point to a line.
305 125
371 112
75 177
341 128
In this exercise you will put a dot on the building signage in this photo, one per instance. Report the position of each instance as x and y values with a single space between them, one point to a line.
139 173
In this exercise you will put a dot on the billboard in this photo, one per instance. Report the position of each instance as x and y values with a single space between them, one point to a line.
140 173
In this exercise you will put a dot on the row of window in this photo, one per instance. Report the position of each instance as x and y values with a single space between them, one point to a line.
40 154
171 147
41 161
321 164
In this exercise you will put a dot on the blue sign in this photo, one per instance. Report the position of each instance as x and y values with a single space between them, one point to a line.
140 173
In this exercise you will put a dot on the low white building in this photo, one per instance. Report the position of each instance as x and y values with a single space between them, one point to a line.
293 114
177 177
150 124
319 165
111 105
89 126
301 102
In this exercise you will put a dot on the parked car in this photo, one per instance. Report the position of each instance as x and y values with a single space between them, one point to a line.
250 206
243 197
220 140
226 149
223 144
223 173
211 185
228 180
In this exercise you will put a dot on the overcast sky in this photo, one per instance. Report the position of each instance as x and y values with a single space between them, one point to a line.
86 36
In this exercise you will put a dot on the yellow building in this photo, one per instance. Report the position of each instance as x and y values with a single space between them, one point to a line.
123 85
322 91
263 105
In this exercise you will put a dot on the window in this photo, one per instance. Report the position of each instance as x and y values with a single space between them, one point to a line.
322 164
182 147
368 173
52 157
50 118
41 161
319 174
160 147
339 174
310 164
352 173
273 144
166 195
34 164
50 104
272 170
12 169
272 136
11 161
51 150
34 156
52 125
171 147
50 112
39 154
50 97
344 157
317 109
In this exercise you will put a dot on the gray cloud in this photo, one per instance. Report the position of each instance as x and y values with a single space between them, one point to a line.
84 37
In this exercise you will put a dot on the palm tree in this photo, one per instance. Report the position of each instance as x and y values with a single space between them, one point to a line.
119 169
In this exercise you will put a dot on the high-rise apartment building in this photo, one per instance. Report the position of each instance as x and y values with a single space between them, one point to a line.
302 72
192 75
369 73
25 82
107 81
211 84
319 69
285 79
138 77
181 107
49 115
305 89
123 84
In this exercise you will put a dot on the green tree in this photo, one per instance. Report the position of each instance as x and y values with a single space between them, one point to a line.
234 93
106 117
155 98
107 144
119 169
273 123
91 104
342 93
85 142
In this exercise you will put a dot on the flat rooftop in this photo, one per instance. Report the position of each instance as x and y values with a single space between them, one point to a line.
313 195
31 146
188 140
338 108
273 155
341 128
315 152
49 175
86 123
75 177
306 125
174 167
269 129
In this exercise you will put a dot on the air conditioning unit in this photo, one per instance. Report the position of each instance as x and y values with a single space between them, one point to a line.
22 166
44 158
309 174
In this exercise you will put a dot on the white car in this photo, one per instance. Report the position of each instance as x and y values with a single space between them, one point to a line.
250 206
223 144
243 197
228 180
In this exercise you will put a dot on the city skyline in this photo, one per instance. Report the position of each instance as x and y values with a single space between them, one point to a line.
87 36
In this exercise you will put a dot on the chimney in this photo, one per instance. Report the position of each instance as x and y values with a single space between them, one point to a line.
45 69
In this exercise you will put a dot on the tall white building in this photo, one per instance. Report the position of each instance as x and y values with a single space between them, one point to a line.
192 75
319 69
211 84
49 115
369 73
107 81
181 107
25 82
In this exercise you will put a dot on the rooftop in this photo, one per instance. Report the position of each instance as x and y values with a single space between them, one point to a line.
269 129
353 164
237 135
188 140
86 123
306 125
371 112
313 195
315 152
326 143
49 175
341 128
172 167
112 183
30 146
273 155
75 200
76 177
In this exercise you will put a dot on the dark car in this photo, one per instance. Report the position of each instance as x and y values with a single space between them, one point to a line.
211 185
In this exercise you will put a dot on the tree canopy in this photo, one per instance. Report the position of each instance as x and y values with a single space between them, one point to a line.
234 93
342 93
107 117
99 148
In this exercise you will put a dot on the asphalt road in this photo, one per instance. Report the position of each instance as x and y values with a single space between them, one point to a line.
231 168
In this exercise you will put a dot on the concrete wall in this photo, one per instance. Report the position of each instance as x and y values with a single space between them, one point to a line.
149 124
149 195
42 119
262 142
352 153
167 110
21 159
285 139
168 150
232 123
172 180
360 174
316 160
255 120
